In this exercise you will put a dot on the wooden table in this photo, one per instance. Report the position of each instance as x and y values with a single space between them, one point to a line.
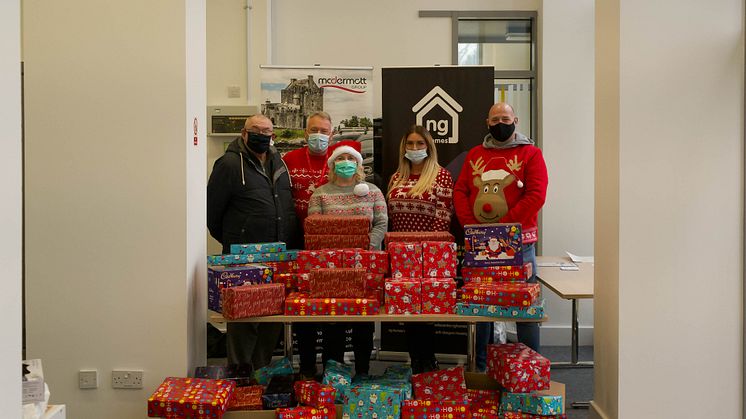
569 285
471 335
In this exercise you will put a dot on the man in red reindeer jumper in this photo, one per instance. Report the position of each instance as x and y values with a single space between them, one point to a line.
504 180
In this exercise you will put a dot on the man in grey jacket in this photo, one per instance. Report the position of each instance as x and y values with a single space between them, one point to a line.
249 200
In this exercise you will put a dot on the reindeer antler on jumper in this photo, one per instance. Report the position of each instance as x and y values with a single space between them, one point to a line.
478 166
514 165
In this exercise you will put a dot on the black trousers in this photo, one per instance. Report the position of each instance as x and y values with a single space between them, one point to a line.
420 340
362 343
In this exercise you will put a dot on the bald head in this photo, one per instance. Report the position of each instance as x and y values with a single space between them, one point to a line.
501 113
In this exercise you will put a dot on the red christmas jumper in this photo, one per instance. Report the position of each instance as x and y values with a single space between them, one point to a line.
307 172
430 212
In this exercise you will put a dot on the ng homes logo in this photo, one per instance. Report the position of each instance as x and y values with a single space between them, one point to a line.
439 126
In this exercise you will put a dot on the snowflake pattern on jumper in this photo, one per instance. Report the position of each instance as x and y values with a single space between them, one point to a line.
430 212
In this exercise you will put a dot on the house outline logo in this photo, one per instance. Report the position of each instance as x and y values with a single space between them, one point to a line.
438 97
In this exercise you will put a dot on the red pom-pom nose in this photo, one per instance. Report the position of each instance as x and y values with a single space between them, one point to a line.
486 207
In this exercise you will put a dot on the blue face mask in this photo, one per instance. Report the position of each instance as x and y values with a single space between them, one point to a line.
416 156
318 143
345 168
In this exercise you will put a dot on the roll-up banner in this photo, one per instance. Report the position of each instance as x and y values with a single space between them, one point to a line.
452 104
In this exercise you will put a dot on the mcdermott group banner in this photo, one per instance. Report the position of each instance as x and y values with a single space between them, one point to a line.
290 94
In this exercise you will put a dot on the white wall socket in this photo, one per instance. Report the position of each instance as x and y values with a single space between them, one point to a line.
126 379
88 379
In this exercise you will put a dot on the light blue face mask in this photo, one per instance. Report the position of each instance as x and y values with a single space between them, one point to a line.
318 143
345 168
416 156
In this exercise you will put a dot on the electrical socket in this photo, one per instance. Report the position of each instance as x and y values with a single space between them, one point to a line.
88 379
126 379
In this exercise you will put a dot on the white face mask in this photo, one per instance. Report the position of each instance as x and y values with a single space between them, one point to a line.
416 156
318 143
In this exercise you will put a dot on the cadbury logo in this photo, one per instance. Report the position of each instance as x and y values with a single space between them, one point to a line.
229 275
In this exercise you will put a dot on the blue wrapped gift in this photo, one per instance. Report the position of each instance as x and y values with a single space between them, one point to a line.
272 247
219 277
398 372
279 392
252 258
473 309
372 401
339 376
280 366
533 403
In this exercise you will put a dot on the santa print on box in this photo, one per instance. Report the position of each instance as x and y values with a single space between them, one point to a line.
403 296
438 296
439 259
448 384
406 260
517 367
493 244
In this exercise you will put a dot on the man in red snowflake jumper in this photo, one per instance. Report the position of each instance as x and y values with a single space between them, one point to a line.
504 180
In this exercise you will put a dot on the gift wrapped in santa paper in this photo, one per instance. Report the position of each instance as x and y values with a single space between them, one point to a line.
493 244
447 384
373 261
336 241
253 300
403 296
246 398
485 411
219 277
240 374
290 281
533 403
280 366
398 372
374 284
406 260
438 296
301 304
339 282
517 367
372 401
416 237
491 310
450 409
439 259
512 294
252 258
339 376
287 267
279 392
313 393
405 387
309 260
336 224
307 412
190 397
521 415
507 273
271 247
483 396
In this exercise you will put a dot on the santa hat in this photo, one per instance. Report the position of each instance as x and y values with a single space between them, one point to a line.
345 149
500 174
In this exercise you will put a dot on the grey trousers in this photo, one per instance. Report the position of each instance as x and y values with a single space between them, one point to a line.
252 343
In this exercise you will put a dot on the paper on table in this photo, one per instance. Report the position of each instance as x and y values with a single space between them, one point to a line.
545 264
580 259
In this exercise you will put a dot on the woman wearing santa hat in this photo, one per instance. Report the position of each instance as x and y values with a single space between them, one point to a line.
347 193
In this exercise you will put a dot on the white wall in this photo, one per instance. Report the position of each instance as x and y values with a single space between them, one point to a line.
111 205
10 211
680 154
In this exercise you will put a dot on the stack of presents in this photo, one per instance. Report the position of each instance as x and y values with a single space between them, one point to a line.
337 275
517 385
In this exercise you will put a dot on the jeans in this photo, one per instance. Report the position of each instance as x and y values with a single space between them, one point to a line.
528 332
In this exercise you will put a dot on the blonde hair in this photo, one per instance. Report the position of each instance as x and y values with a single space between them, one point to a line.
359 174
429 171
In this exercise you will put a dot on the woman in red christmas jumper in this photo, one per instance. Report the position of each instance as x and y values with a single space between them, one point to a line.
504 180
420 199
347 194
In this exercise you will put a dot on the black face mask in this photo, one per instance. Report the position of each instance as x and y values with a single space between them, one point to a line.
502 132
258 143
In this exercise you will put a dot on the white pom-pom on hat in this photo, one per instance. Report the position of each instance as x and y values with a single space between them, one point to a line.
361 189
345 149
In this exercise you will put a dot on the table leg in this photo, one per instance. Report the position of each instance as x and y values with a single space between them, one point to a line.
574 331
471 344
288 336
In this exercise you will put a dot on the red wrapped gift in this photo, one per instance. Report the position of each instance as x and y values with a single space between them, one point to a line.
341 282
451 409
313 393
438 296
489 274
190 397
246 398
439 259
482 396
484 411
406 260
439 385
253 300
315 259
286 267
336 241
521 415
374 282
403 296
517 367
374 261
336 224
528 270
300 304
510 294
289 280
304 282
307 412
417 237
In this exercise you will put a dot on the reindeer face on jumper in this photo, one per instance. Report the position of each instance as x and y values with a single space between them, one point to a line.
490 204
